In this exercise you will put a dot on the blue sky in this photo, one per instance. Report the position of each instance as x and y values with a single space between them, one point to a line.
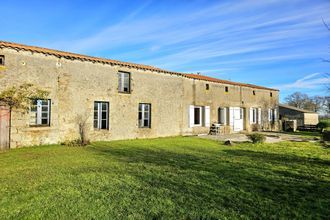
273 43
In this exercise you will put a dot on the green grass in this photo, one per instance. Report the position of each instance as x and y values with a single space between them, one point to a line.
305 134
170 178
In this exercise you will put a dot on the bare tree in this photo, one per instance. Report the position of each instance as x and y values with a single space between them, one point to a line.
81 120
297 100
303 101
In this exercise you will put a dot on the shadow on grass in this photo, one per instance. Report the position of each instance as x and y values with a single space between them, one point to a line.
284 159
305 133
234 181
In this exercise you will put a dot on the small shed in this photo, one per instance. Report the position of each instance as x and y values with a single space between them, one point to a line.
303 117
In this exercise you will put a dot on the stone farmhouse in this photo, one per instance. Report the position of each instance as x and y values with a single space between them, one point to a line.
121 100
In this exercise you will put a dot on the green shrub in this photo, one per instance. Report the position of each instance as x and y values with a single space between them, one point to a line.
326 135
257 138
323 125
74 143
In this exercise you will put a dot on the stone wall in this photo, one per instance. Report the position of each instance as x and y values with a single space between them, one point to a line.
75 85
311 118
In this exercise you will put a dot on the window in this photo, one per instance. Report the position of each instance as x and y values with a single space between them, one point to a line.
2 60
124 82
40 113
101 115
223 115
241 113
254 115
226 89
254 92
197 115
144 115
207 86
271 94
272 115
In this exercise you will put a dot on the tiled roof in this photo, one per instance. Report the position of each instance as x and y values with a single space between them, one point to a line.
210 79
74 56
296 109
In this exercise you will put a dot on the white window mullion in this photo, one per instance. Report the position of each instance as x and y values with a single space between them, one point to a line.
99 113
39 112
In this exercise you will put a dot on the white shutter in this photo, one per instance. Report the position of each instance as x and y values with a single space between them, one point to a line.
251 116
120 82
269 115
259 116
191 116
207 116
231 116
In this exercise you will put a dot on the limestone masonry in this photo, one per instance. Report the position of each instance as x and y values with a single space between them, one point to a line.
119 100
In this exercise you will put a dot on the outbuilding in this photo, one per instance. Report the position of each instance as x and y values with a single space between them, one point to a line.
303 117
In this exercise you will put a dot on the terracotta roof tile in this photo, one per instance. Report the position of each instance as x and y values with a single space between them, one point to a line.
74 56
210 79
296 109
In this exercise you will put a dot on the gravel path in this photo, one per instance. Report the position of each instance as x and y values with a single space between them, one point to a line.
271 137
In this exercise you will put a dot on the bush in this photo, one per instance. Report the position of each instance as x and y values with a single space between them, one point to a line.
75 143
323 125
326 136
257 138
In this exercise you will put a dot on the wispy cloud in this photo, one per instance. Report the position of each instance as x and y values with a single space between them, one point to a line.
310 81
213 30
271 40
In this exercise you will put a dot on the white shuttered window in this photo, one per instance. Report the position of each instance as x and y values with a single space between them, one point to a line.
199 116
124 82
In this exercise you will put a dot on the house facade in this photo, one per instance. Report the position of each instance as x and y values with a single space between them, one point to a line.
118 100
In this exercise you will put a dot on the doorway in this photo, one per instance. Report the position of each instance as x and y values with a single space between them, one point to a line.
4 128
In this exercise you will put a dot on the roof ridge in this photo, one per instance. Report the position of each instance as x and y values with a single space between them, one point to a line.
217 80
66 54
296 108
70 55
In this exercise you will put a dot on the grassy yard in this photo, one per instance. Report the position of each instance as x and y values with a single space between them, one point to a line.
175 178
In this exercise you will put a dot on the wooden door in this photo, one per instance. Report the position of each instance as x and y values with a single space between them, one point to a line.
4 128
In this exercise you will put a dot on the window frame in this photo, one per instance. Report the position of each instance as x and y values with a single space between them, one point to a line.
241 113
200 115
143 111
39 112
99 115
223 115
254 115
2 60
271 115
121 82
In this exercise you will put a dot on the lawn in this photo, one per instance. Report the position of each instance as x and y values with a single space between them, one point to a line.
169 178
